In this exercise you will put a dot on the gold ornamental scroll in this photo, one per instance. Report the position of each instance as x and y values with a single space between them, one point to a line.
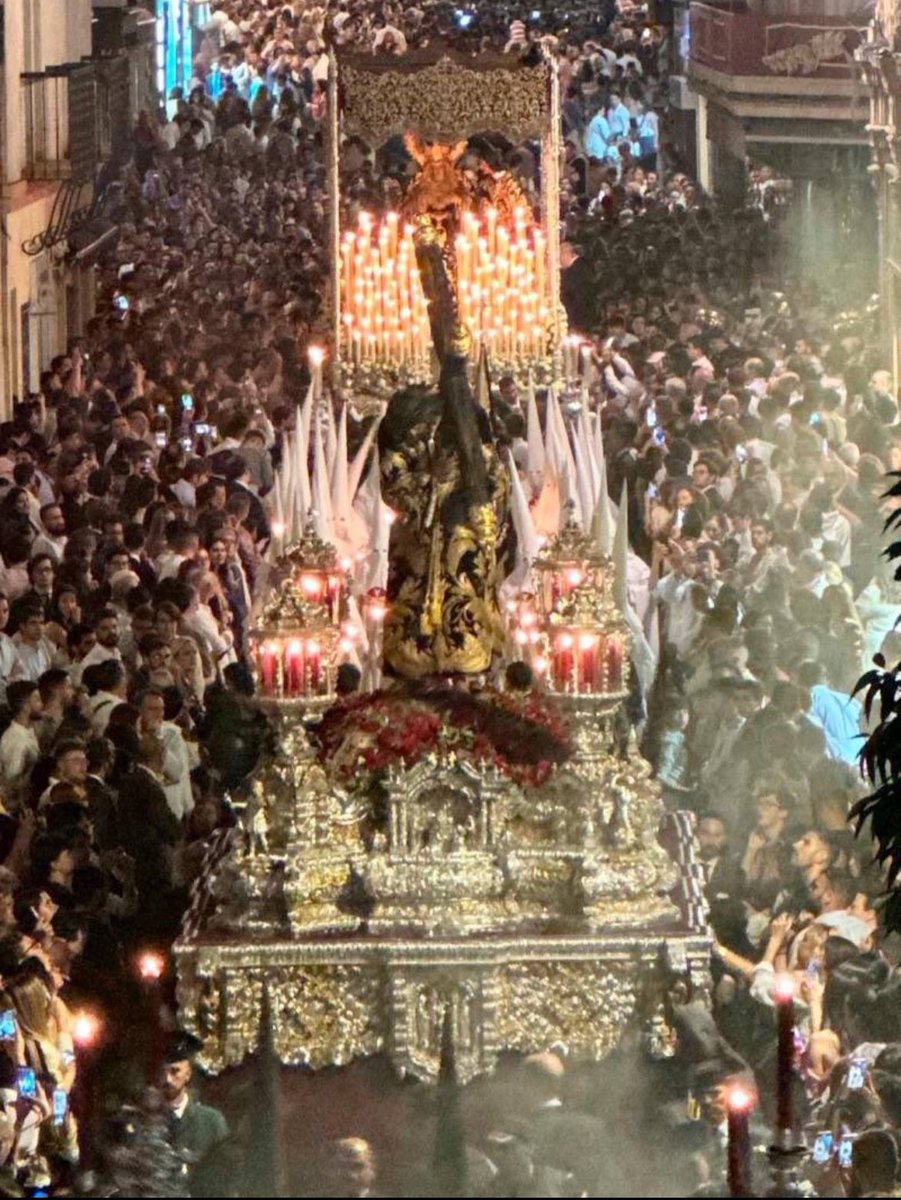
443 100
443 97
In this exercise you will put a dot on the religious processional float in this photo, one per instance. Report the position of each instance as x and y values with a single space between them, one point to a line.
454 846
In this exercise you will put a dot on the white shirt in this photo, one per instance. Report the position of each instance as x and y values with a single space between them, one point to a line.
837 528
8 661
102 707
167 564
19 751
176 769
203 625
98 654
683 620
45 544
32 661
169 135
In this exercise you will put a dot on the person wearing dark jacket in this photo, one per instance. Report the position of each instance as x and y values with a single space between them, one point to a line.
148 829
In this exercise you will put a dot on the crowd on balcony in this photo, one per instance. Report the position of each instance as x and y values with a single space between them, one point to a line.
752 434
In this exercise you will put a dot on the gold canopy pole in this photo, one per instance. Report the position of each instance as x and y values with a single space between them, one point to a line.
334 192
550 204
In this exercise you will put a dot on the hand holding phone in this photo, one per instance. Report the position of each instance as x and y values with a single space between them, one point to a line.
822 1148
846 1151
60 1105
857 1073
27 1083
7 1025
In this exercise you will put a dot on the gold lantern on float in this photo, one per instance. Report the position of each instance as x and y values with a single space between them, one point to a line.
588 645
299 641
584 648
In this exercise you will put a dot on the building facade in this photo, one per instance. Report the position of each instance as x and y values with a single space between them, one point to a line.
880 60
69 89
775 83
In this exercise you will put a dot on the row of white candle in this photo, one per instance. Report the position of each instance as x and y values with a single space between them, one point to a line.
502 284
384 312
577 357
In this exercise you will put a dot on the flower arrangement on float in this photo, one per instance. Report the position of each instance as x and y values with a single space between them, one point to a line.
524 737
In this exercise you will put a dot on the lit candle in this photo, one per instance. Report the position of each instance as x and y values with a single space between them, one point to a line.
334 594
316 356
491 216
586 365
588 646
540 251
563 660
739 1102
313 588
269 667
573 577
294 669
785 1010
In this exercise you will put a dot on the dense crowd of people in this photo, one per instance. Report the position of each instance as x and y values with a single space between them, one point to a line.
752 434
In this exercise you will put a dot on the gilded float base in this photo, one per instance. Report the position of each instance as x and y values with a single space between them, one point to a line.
331 1002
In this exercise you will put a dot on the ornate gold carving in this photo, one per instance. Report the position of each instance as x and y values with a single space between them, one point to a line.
420 1001
311 552
586 1005
327 1015
440 189
445 101
571 545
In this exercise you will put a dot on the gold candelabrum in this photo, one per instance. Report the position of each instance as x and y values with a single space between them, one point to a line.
302 634
567 625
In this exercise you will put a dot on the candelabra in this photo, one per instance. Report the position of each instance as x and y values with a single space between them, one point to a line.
569 628
303 634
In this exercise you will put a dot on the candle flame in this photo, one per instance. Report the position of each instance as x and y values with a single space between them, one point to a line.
739 1098
85 1027
785 988
151 965
316 355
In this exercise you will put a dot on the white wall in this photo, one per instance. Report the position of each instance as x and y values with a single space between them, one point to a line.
14 130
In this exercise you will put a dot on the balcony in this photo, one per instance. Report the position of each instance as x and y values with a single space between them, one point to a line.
59 141
76 116
777 40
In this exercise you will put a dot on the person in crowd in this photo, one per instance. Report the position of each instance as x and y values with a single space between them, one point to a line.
197 1129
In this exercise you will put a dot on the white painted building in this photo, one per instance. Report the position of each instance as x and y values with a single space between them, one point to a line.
68 97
